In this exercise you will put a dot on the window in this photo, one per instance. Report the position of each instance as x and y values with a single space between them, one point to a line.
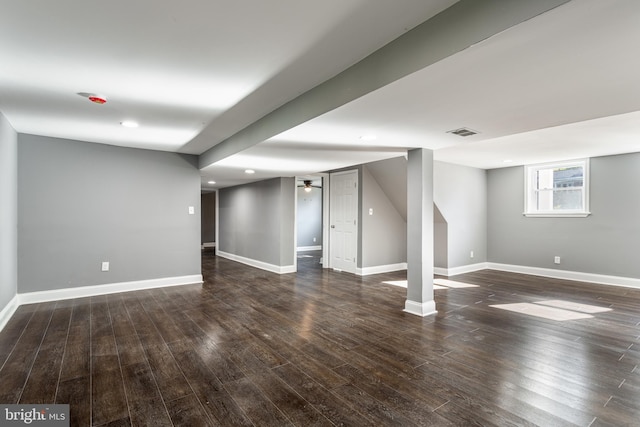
557 189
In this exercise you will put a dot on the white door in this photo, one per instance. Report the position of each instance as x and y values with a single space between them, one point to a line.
343 233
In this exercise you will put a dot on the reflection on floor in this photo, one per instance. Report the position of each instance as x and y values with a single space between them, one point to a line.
438 284
554 310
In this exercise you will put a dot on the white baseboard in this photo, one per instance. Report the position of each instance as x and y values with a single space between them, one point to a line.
568 275
112 288
209 245
377 269
8 311
420 309
258 264
469 268
308 248
441 271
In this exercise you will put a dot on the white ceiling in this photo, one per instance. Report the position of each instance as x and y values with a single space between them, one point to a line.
177 66
561 85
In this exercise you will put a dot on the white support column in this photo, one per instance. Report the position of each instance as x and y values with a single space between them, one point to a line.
420 233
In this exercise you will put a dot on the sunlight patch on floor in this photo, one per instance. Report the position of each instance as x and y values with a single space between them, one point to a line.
453 284
574 306
543 311
400 283
403 284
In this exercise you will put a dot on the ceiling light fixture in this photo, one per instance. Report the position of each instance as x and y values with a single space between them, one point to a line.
96 99
249 171
307 186
211 182
129 124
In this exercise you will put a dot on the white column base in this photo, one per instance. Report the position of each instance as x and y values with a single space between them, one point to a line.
420 308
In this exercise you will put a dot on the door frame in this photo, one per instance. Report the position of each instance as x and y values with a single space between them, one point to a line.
325 218
328 213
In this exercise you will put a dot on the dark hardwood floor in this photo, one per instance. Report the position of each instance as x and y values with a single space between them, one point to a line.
321 348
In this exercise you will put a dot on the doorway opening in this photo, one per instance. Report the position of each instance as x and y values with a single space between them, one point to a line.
309 236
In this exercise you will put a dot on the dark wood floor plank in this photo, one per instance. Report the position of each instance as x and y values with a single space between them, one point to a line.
43 379
129 348
109 402
150 412
377 412
328 404
298 410
171 382
187 411
12 332
208 388
76 393
250 347
16 369
255 404
77 355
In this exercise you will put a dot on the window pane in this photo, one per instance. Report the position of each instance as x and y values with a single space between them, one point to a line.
557 189
567 199
544 200
568 177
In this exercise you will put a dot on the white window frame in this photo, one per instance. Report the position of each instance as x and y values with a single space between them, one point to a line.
530 190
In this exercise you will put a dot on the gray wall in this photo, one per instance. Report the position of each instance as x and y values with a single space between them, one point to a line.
440 239
309 217
384 234
8 212
606 242
80 204
460 193
391 175
208 218
257 221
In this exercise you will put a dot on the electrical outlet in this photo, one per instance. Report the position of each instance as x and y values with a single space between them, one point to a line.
556 260
471 254
314 240
105 265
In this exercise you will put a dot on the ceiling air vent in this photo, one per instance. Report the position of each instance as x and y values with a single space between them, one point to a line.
463 132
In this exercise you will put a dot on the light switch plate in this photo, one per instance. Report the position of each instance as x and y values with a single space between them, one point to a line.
192 210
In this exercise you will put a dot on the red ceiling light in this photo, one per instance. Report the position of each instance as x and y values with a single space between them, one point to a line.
96 99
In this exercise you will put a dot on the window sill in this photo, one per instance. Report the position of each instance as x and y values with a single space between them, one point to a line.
556 214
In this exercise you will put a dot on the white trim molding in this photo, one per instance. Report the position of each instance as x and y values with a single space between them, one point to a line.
469 268
8 311
209 245
111 288
421 309
308 248
284 269
567 275
377 269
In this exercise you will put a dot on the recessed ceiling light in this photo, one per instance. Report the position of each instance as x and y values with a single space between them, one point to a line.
129 124
249 171
369 137
211 182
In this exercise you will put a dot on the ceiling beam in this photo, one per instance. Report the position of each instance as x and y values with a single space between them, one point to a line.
464 24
